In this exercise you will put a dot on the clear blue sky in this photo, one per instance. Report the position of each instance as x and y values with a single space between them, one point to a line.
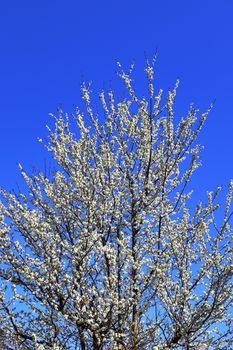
49 47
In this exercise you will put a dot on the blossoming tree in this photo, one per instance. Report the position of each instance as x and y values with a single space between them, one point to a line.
108 252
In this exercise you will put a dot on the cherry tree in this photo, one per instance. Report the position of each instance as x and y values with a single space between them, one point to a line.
110 252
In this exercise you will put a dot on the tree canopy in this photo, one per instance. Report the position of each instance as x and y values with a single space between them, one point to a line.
110 252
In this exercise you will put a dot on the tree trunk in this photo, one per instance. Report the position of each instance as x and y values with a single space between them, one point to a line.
96 343
135 314
82 339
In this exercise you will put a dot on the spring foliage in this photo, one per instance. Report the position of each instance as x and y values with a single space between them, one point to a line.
108 253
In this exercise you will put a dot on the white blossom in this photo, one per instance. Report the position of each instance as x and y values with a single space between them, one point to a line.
108 252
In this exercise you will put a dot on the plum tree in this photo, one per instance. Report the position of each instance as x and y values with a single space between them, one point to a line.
108 252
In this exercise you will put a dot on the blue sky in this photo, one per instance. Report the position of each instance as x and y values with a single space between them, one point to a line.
49 47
